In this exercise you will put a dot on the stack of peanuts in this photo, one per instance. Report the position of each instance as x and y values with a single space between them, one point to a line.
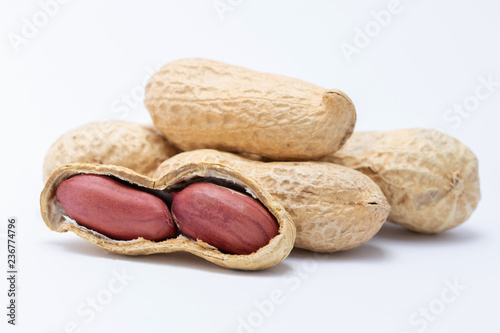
242 166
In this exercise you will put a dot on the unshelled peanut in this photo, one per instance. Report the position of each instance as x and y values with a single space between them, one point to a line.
199 103
138 147
430 179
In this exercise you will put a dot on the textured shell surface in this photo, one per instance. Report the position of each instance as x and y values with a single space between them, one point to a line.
278 248
138 147
430 179
200 103
333 208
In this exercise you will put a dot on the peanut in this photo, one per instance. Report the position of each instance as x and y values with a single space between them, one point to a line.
138 147
430 179
114 209
198 103
224 218
100 206
333 208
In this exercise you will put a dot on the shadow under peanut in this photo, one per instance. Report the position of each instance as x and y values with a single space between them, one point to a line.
391 232
178 259
364 253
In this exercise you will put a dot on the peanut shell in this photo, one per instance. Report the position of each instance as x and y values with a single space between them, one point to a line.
333 208
138 147
430 179
198 103
274 252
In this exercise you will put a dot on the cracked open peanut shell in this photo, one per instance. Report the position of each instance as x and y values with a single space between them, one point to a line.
269 255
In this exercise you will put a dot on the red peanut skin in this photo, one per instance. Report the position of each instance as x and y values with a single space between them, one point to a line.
228 220
115 209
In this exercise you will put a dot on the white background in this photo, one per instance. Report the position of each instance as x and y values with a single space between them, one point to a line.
89 57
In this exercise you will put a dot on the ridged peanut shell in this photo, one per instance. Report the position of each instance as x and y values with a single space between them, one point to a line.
138 147
274 252
430 179
333 208
199 103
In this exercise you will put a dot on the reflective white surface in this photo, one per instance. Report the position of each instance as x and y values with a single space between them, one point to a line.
422 65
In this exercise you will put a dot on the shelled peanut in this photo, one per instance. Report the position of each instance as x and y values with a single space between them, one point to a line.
221 217
430 179
125 212
114 209
138 147
333 207
199 103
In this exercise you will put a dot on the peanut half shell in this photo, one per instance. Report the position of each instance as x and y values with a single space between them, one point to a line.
199 103
139 147
333 207
271 254
430 179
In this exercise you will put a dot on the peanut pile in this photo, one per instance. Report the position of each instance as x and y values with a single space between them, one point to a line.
241 166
